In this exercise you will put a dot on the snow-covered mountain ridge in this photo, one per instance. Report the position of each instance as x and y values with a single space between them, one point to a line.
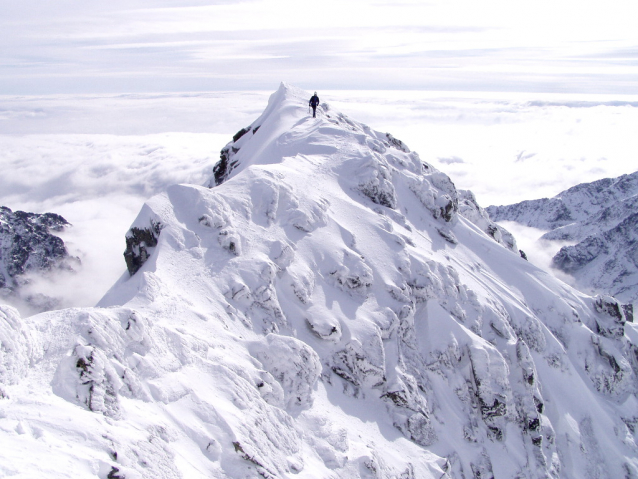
602 218
334 307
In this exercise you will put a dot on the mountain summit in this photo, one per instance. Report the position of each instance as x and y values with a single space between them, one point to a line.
330 307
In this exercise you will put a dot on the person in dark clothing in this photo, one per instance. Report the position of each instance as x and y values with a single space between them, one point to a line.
314 101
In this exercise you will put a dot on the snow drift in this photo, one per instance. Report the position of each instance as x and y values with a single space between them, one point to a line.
331 307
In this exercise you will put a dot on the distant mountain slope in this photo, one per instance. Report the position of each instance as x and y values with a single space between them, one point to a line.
27 246
331 308
601 218
580 211
606 261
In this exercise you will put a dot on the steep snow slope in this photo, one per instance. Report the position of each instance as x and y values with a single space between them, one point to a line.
601 217
324 311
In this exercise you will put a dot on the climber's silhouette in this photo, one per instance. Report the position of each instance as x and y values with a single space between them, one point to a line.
314 101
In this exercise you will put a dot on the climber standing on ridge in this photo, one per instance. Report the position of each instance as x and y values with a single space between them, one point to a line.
314 101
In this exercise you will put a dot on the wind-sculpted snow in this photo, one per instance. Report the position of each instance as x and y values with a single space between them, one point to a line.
290 323
600 217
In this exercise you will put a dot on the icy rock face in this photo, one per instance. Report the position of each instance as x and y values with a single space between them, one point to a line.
26 244
227 161
285 324
601 218
140 243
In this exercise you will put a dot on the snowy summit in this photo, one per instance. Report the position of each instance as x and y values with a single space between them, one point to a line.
331 307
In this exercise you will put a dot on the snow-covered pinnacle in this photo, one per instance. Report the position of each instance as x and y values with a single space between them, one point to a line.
326 310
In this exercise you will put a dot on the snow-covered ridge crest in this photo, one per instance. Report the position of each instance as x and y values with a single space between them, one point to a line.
325 311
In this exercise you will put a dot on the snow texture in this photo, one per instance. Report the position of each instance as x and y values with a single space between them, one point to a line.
332 308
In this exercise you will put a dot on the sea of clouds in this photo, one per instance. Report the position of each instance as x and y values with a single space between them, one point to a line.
95 159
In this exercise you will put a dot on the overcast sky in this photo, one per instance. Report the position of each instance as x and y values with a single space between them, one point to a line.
73 46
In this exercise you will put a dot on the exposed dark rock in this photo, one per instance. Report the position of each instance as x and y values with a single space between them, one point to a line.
609 307
379 195
240 133
96 388
113 474
497 408
399 398
138 242
26 245
356 366
533 424
396 143
523 255
447 211
224 166
540 406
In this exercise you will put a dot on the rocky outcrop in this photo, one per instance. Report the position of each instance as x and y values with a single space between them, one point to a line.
27 246
227 161
139 244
